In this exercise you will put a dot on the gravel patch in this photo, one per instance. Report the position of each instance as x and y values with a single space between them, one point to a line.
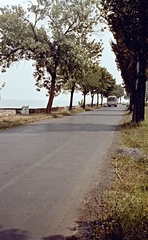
134 153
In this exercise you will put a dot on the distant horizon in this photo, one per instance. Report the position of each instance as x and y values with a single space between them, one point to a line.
37 103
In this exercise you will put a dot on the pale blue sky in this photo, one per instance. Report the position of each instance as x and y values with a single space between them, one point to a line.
19 79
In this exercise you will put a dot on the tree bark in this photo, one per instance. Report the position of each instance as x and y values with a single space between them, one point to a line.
97 99
139 102
143 90
71 96
131 102
84 100
51 96
92 100
135 116
101 100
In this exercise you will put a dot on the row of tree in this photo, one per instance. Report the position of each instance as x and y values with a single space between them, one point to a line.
96 81
55 35
128 21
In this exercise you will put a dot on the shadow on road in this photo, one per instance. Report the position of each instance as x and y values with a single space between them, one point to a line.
80 127
74 125
93 230
63 127
59 237
13 234
86 230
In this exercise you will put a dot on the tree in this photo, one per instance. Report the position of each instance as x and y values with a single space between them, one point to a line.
84 82
96 80
91 54
94 85
118 91
82 54
126 62
71 71
106 83
45 37
128 22
82 63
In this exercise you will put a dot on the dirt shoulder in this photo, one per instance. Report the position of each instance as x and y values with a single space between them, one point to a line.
93 201
9 118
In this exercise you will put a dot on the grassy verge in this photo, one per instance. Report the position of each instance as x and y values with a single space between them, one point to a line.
18 119
123 210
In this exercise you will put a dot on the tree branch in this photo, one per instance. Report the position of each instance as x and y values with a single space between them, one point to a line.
70 27
11 52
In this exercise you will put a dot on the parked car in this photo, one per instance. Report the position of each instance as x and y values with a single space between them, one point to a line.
112 101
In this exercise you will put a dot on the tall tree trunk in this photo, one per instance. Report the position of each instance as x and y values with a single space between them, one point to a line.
139 103
97 99
71 95
135 116
101 99
131 102
92 100
142 99
84 100
51 96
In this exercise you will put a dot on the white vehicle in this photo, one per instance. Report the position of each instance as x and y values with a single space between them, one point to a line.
112 101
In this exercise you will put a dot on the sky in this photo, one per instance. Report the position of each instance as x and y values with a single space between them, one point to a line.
19 78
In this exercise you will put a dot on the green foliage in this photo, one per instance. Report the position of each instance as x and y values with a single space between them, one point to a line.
128 21
98 80
49 33
126 61
107 82
118 91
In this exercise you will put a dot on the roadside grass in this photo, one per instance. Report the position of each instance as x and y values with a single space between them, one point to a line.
123 210
19 119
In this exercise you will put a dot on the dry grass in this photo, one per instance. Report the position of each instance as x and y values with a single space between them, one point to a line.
136 136
18 119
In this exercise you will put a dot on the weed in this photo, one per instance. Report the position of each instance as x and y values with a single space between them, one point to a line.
123 210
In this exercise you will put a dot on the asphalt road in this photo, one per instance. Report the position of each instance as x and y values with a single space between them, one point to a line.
47 167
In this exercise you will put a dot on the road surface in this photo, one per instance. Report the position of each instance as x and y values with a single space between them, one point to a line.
47 167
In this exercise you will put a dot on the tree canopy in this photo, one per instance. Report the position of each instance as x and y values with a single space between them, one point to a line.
48 32
118 91
128 22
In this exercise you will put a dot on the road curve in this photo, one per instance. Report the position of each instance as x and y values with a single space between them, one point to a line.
47 167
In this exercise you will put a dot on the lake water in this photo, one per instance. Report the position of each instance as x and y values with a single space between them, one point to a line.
58 101
31 103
